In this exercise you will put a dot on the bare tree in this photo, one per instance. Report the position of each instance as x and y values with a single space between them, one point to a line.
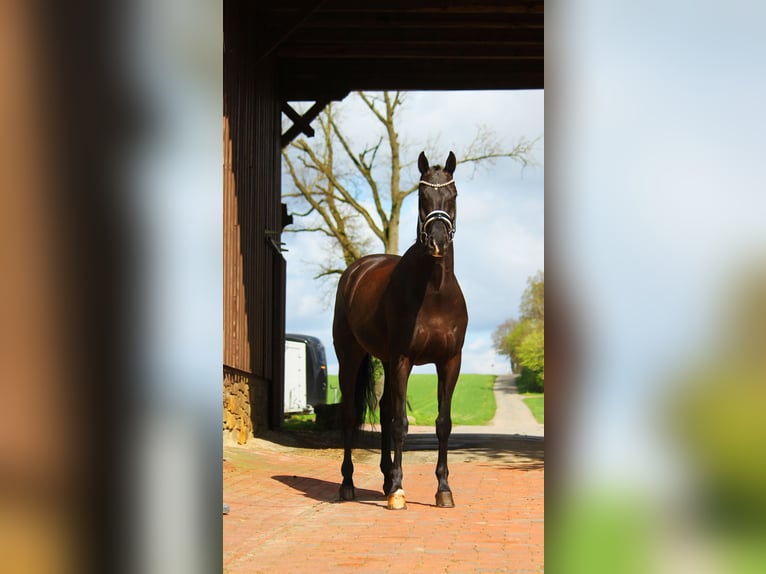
352 192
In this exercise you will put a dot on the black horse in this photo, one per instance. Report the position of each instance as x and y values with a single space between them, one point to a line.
406 311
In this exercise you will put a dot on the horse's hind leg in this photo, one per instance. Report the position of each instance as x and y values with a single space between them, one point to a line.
448 374
349 362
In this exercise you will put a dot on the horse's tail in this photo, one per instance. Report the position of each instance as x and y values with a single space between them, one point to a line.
364 393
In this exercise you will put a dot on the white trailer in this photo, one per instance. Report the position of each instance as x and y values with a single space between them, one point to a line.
295 377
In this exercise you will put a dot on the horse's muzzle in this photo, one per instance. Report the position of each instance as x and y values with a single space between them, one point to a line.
435 248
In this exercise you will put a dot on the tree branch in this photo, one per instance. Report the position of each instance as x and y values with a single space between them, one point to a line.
485 146
410 190
366 170
371 104
307 194
328 272
312 230
330 175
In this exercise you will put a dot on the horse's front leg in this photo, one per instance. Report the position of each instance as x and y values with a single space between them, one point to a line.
448 374
385 431
400 372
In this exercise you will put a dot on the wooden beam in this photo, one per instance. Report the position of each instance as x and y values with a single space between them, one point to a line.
401 22
298 120
276 40
306 119
426 6
308 80
367 50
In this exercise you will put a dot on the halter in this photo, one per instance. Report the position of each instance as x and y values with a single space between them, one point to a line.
435 215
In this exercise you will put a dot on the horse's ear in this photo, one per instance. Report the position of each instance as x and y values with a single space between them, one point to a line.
422 162
451 163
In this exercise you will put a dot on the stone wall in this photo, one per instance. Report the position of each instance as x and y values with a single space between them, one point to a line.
245 405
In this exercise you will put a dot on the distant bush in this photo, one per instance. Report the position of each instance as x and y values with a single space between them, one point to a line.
523 339
532 357
529 381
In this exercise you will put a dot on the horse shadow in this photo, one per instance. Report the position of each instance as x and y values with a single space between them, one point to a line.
327 491
514 451
324 490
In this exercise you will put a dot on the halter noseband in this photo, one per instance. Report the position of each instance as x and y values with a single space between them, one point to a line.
435 215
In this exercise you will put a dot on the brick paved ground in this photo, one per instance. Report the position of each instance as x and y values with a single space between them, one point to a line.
284 515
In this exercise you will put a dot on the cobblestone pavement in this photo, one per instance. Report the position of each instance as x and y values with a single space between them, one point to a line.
282 492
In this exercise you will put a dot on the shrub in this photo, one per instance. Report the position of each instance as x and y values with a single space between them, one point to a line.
529 382
531 352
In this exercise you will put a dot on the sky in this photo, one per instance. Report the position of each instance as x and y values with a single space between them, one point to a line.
499 242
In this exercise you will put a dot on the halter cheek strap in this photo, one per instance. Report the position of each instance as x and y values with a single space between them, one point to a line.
435 215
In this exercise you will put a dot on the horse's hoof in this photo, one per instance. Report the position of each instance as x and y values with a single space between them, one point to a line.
444 499
347 492
396 500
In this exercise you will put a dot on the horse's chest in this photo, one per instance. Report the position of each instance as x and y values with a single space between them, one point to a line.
431 343
436 336
426 324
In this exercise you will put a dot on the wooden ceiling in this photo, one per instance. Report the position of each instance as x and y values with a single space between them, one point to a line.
326 48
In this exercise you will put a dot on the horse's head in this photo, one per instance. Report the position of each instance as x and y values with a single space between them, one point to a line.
436 205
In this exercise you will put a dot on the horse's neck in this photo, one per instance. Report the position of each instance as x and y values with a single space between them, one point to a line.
437 273
440 275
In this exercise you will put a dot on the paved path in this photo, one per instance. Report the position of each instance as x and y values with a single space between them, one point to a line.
284 516
512 416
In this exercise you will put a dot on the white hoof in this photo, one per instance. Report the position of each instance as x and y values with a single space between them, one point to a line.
396 500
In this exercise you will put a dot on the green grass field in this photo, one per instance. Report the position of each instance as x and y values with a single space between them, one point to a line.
536 404
533 399
472 404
